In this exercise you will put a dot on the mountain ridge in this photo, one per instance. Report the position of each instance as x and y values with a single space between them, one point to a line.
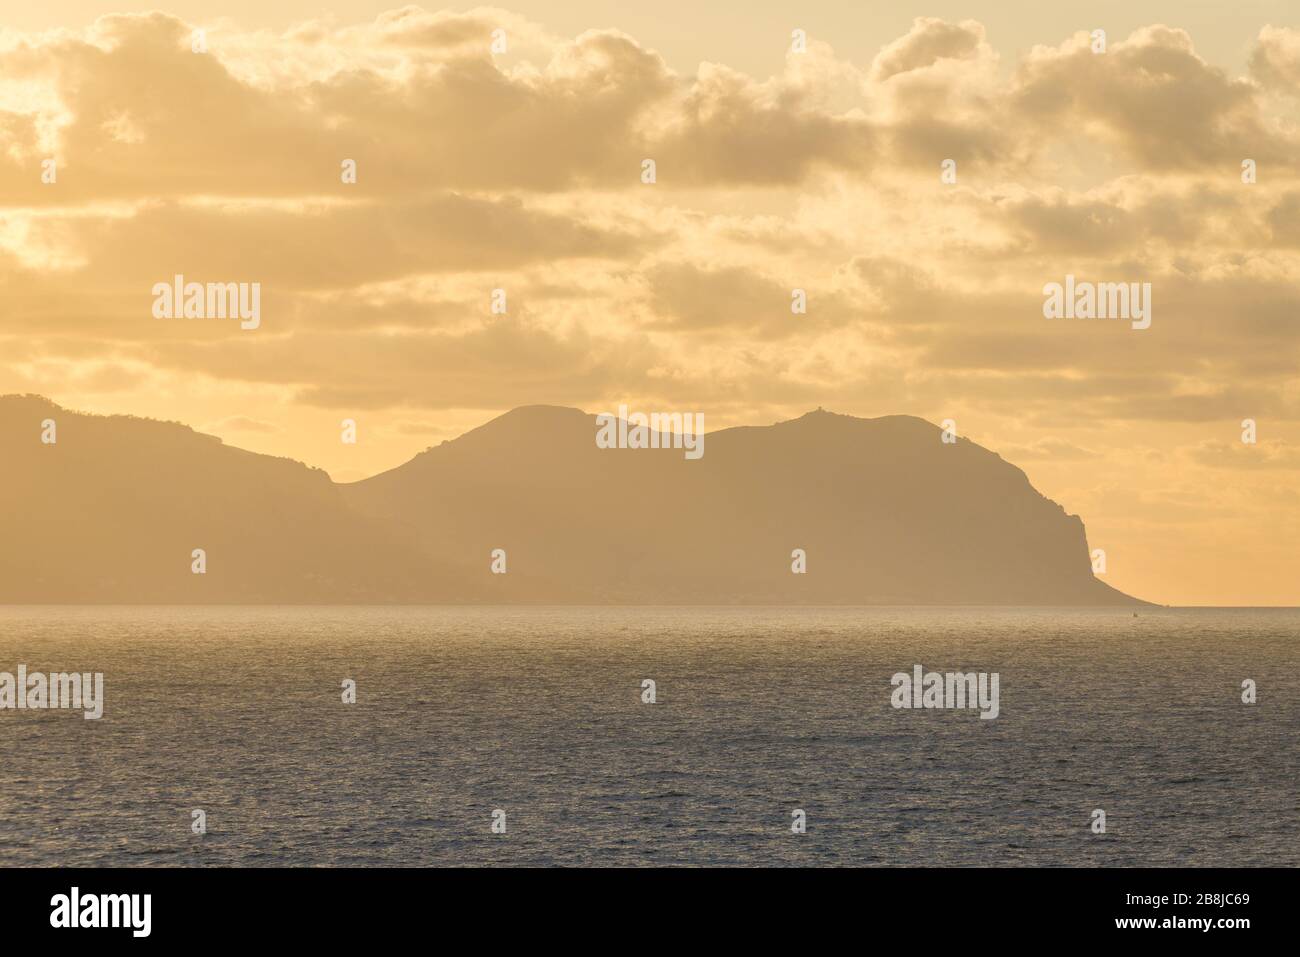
886 513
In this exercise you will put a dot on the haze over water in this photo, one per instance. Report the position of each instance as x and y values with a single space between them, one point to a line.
537 711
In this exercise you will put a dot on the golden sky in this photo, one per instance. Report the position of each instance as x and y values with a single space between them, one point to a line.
775 170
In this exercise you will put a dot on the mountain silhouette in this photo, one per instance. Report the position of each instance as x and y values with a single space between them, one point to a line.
884 511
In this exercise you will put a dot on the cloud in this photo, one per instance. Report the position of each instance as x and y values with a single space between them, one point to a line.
521 171
1151 98
731 130
1241 455
930 41
1275 60
502 361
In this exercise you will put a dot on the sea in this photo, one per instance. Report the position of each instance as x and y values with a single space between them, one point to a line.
525 736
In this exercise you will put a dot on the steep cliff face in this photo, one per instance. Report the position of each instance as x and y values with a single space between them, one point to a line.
885 512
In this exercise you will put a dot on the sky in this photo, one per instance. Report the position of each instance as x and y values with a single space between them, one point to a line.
778 165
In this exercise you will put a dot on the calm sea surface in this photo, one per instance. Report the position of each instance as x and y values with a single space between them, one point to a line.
537 711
